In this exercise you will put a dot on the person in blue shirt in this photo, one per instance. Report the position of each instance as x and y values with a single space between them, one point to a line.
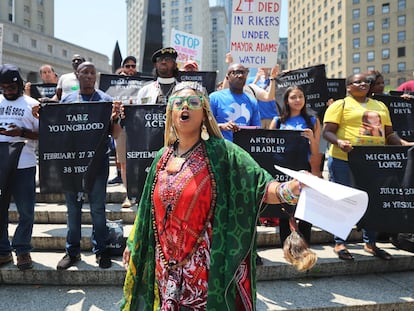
296 116
233 107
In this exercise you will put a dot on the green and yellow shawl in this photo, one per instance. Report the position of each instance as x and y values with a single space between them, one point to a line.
240 186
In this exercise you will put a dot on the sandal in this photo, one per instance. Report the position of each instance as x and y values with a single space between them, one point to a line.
378 252
344 254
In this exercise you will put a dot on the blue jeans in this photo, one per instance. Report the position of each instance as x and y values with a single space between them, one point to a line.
340 173
97 199
23 190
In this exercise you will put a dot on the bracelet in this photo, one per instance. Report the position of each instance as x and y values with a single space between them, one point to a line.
272 78
23 134
285 194
116 121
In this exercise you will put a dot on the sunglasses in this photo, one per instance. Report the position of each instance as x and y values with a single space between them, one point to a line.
239 72
164 58
358 82
194 102
130 66
10 88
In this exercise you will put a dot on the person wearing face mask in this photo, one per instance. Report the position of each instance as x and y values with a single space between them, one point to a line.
344 128
18 124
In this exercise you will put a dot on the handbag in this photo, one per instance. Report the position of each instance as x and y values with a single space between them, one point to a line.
116 241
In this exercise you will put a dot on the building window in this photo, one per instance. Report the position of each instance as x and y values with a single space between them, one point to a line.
385 38
401 36
40 2
385 53
34 43
370 10
355 1
355 28
64 53
370 40
356 70
356 58
370 26
401 67
385 23
371 56
401 20
355 14
385 8
401 80
26 9
40 28
401 51
401 5
369 68
26 23
50 48
386 68
15 38
356 43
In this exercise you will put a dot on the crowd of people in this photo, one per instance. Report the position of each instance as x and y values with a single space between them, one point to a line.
193 218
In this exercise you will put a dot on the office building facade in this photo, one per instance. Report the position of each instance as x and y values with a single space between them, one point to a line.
351 36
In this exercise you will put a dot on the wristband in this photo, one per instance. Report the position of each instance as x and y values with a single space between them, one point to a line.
272 78
23 134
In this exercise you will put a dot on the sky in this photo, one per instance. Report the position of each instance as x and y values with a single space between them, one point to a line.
98 24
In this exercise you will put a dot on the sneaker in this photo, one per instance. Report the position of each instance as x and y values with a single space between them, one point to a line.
127 203
116 180
4 259
24 262
68 261
104 260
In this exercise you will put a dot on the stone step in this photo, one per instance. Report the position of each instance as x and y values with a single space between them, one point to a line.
55 213
370 292
52 235
274 267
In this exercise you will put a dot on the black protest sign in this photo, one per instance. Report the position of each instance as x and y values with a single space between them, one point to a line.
121 87
312 80
380 170
206 78
144 126
336 88
401 113
286 148
42 90
9 154
70 136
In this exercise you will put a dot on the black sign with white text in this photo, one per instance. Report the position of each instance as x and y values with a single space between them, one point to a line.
69 135
380 171
144 126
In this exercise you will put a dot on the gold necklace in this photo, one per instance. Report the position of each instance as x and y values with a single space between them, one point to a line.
176 163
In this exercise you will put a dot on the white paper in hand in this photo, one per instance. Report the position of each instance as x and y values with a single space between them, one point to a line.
330 206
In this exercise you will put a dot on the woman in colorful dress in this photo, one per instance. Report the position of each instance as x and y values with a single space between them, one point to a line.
193 244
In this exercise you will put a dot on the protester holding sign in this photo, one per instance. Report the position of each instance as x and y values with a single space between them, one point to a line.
343 122
193 243
49 78
296 116
86 74
233 107
129 65
18 124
